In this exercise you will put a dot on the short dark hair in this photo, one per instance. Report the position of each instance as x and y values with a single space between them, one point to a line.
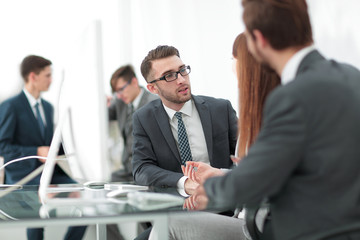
127 72
285 23
33 63
161 51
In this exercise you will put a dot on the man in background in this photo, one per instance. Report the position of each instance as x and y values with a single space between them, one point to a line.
129 97
26 129
178 127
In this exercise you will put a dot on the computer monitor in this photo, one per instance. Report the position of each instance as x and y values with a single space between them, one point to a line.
83 120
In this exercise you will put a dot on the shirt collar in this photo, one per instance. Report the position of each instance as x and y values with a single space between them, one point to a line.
186 109
136 101
291 67
31 98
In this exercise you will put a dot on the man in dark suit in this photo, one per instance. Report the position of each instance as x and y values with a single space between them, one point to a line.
208 125
306 158
26 129
129 97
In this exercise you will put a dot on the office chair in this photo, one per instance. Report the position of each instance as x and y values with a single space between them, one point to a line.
255 216
250 220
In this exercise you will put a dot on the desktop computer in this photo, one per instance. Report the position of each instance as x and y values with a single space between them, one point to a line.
82 128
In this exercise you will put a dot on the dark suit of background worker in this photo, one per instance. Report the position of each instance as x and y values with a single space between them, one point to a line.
308 147
210 123
23 134
129 97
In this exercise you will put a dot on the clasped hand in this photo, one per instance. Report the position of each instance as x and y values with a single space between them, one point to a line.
197 173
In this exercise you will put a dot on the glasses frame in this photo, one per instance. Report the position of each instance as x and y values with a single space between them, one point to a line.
123 87
177 73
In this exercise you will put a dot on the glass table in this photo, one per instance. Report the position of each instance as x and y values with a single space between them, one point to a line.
78 205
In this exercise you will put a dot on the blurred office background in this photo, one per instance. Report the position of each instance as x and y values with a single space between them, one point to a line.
202 30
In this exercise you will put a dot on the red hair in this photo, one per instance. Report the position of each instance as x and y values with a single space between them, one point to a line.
254 83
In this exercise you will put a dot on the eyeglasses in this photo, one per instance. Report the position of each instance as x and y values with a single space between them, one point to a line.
172 76
123 87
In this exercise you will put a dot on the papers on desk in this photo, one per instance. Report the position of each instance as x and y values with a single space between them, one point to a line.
121 190
152 200
120 186
139 197
64 188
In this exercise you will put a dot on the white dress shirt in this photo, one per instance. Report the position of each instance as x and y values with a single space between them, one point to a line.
289 72
137 100
32 101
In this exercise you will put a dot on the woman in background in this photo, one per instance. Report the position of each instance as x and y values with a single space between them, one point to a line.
255 82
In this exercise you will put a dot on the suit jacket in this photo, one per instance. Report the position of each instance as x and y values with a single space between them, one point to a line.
118 110
306 157
156 158
20 136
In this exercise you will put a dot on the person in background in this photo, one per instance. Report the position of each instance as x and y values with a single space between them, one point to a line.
130 96
26 129
305 160
178 127
254 84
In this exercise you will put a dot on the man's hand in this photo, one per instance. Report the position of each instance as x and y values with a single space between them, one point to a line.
197 201
190 186
235 160
199 171
43 152
108 100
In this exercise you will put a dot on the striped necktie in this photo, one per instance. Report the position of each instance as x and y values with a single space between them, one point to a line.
185 152
40 121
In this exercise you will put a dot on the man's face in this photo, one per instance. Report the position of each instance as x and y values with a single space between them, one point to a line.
126 90
43 80
173 94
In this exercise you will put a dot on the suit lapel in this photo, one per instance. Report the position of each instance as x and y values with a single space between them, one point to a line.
29 112
163 121
204 113
143 99
49 122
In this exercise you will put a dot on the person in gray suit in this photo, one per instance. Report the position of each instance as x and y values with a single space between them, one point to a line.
129 97
210 125
308 147
254 85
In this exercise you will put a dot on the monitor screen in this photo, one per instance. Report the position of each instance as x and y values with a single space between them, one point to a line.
83 120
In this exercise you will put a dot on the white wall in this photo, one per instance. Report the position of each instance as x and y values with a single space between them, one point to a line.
203 31
336 29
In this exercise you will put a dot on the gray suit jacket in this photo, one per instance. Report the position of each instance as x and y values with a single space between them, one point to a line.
118 111
306 157
156 159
